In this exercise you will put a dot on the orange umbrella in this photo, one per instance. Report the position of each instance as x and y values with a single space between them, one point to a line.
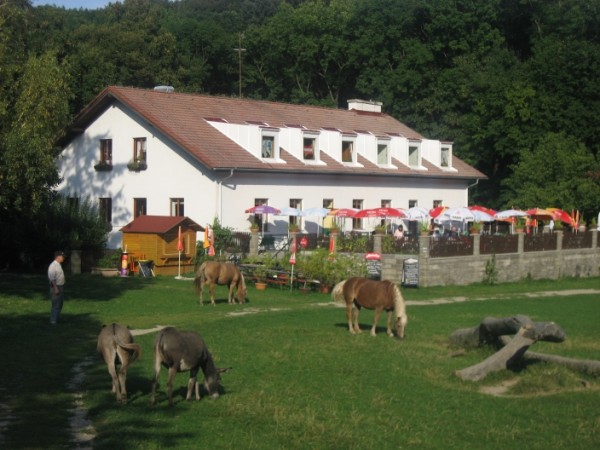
539 213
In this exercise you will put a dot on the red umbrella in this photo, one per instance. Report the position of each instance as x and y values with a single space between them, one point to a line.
434 212
489 211
563 216
380 212
344 212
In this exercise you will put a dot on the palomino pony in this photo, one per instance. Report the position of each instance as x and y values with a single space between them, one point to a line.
213 273
360 292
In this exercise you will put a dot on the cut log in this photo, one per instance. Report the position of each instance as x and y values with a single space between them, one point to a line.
503 358
491 329
589 366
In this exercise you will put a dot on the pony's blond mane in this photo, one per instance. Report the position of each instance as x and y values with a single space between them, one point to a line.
400 307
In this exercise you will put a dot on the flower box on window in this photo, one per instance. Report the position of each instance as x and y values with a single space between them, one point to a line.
137 165
103 166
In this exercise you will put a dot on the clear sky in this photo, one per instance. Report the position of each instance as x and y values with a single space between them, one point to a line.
76 4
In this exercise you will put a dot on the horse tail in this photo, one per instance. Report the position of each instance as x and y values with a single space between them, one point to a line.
400 310
337 293
200 278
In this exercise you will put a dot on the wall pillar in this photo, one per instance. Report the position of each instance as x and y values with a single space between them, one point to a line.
253 250
378 243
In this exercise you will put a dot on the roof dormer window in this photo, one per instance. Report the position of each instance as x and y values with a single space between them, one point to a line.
414 154
445 156
348 155
308 148
383 153
269 148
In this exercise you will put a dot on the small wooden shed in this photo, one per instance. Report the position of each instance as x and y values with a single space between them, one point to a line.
155 238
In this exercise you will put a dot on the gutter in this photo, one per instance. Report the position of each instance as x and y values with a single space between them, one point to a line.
220 196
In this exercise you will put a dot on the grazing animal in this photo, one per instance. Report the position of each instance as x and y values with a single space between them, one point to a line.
183 351
359 292
115 341
213 273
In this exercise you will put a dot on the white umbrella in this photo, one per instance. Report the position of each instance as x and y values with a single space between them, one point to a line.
417 213
481 216
316 212
457 214
507 214
288 211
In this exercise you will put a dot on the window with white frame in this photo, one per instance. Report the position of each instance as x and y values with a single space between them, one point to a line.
309 147
412 203
383 154
445 156
414 157
139 207
348 150
268 146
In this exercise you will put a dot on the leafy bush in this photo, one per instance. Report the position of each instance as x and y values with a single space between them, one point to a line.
330 269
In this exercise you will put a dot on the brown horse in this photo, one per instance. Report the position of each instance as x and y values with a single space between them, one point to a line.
213 273
359 292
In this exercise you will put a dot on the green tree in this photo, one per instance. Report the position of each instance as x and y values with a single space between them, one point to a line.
560 172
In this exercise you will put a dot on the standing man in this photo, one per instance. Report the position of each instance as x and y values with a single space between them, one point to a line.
56 277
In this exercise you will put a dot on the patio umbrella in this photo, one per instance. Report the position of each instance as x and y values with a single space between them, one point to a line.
509 214
417 213
288 211
488 211
459 214
263 209
380 212
344 212
316 212
539 213
563 216
434 212
482 216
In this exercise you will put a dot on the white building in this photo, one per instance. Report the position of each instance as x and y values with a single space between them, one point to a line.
159 152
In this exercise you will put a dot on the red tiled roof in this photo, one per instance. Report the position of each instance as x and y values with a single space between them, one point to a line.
182 119
159 224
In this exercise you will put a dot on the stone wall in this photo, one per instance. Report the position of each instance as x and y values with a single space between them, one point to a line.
462 270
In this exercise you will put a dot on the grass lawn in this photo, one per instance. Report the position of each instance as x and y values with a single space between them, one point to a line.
299 380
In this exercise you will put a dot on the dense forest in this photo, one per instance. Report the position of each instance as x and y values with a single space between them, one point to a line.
513 83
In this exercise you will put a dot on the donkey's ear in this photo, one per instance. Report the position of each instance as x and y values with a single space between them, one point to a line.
222 370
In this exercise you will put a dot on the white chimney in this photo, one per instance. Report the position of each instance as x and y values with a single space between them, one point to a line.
365 105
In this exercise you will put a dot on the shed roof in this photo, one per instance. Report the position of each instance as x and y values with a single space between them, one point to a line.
159 224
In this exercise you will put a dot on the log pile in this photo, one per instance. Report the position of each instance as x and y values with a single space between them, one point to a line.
525 332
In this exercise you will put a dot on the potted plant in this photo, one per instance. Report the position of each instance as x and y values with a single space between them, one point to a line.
475 228
254 227
293 228
137 165
380 229
108 265
519 224
103 166
259 274
424 228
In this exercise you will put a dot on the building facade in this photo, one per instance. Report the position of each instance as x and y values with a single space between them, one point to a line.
158 152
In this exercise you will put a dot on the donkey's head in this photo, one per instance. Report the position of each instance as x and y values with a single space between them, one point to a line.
212 382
